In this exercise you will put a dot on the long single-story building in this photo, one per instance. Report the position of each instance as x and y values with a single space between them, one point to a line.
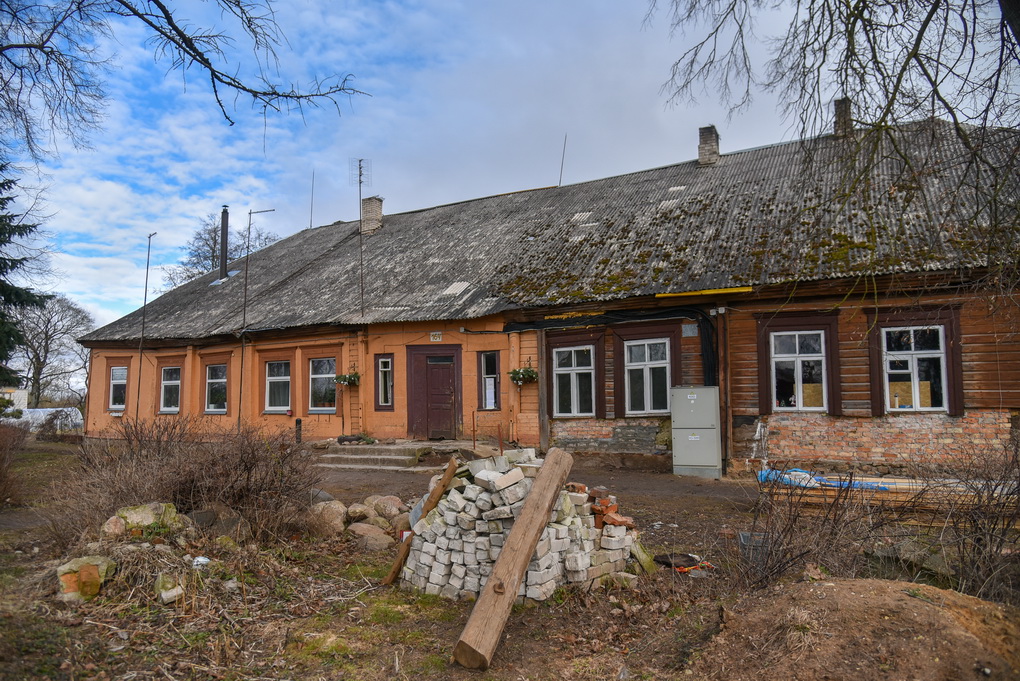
852 305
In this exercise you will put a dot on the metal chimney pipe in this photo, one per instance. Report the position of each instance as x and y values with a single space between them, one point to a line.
224 227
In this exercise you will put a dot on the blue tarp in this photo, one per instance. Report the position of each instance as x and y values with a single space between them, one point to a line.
796 477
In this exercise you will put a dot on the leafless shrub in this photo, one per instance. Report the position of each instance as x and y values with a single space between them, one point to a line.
794 526
975 511
256 473
12 440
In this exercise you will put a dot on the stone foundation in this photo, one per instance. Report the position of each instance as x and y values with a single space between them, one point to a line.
612 436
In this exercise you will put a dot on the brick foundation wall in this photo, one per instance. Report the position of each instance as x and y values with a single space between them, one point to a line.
612 436
883 445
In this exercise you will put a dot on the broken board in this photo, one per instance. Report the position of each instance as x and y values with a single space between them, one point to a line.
484 628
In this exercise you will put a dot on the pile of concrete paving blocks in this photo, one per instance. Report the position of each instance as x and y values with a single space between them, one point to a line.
456 544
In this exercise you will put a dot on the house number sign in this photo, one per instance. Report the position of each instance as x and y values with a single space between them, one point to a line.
436 336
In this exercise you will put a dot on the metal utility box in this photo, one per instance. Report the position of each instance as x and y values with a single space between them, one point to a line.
697 444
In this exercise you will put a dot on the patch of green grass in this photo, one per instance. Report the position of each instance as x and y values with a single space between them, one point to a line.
384 614
360 571
322 648
432 664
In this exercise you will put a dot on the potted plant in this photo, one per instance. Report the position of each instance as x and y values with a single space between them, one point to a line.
349 379
525 374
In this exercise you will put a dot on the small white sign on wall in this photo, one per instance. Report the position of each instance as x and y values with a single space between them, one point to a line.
436 336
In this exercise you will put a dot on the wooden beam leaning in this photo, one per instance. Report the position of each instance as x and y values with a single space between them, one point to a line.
484 627
430 503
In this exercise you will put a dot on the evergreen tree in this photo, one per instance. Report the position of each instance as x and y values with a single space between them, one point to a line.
13 231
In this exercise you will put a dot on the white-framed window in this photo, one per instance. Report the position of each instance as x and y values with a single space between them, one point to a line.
384 382
277 386
646 366
488 373
914 360
118 388
322 385
798 370
574 381
216 388
170 390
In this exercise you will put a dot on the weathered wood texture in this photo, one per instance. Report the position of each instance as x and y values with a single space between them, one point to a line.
989 339
430 503
484 628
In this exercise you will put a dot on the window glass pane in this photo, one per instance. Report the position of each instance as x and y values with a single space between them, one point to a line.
657 352
323 393
899 365
172 374
901 393
660 388
118 394
636 397
324 366
929 382
563 358
171 396
786 390
784 343
810 343
490 363
216 371
811 383
898 340
635 354
585 395
489 392
216 396
118 373
563 387
278 369
926 339
385 388
385 364
582 357
440 360
279 394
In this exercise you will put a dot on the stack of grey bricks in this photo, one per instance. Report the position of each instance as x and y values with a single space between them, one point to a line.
456 544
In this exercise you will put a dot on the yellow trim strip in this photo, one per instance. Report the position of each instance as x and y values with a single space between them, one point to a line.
707 292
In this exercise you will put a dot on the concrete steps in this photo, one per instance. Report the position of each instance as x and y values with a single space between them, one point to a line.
402 456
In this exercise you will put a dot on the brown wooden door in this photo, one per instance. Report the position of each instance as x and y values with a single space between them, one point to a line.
433 391
442 395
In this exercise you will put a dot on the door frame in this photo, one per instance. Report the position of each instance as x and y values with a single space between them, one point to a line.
417 402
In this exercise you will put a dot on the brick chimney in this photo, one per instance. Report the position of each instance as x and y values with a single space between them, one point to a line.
708 146
844 118
371 214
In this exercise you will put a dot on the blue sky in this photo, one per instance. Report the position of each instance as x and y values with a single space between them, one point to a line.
465 99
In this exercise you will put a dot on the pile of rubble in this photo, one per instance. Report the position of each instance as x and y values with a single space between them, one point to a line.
456 544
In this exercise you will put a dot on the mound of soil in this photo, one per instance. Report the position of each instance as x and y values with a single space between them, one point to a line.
862 629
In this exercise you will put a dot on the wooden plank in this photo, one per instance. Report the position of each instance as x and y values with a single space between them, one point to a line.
484 627
430 503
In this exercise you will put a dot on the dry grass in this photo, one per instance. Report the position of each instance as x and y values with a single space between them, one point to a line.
12 440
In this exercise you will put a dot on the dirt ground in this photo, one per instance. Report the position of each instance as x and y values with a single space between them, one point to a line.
313 610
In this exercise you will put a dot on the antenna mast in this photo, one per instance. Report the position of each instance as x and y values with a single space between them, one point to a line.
361 169
141 339
244 309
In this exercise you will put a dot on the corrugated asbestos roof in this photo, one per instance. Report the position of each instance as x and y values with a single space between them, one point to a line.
802 210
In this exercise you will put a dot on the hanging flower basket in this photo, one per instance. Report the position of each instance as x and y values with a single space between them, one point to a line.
526 374
350 379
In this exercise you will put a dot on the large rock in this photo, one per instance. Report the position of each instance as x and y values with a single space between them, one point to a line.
364 530
375 542
114 528
358 512
155 514
317 496
330 516
389 507
401 523
381 523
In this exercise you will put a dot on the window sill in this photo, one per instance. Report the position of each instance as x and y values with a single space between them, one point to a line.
215 412
645 414
276 412
490 409
168 411
321 411
573 416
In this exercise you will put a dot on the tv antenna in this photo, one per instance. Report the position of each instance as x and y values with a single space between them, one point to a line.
361 172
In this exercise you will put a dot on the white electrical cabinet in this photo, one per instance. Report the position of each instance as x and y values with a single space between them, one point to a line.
697 445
